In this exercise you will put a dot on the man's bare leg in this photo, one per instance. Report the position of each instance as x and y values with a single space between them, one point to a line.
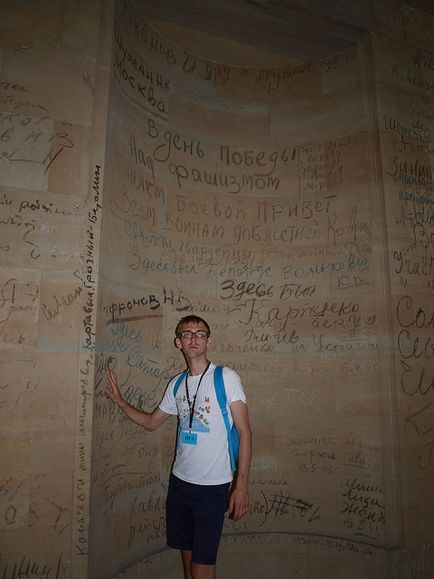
186 563
195 570
202 571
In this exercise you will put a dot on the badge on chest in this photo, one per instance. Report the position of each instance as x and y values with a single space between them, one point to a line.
189 438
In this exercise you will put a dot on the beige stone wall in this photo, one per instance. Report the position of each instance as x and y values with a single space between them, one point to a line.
291 206
53 85
251 196
405 90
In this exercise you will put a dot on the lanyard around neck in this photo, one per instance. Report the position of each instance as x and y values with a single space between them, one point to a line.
190 406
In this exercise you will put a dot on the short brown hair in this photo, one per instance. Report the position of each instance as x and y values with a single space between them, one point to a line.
193 319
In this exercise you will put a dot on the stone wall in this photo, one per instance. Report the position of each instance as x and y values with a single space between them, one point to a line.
288 204
250 196
54 65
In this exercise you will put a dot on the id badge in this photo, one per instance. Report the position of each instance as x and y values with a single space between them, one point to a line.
189 438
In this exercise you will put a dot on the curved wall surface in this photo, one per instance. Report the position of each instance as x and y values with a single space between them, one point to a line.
249 196
289 205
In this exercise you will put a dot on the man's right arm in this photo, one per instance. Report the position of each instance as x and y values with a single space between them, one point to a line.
148 420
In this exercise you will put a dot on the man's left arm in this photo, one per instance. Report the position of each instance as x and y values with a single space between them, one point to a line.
239 499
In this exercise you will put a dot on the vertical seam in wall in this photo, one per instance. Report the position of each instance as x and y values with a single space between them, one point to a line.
98 158
393 530
80 564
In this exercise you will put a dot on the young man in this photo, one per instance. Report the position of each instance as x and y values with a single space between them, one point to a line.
201 474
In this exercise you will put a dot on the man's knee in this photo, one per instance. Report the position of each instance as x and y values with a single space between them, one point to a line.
202 571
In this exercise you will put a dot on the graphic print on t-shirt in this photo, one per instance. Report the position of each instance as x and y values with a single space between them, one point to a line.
200 417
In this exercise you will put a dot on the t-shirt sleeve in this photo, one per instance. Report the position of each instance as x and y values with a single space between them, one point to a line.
168 403
233 386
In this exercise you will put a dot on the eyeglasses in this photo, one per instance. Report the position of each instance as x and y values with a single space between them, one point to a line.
200 335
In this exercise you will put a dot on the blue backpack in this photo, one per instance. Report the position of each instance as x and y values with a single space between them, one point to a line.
219 386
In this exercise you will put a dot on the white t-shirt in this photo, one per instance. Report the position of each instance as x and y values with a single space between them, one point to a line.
207 462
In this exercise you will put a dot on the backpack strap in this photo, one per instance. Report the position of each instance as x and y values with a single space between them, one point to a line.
220 391
178 382
175 390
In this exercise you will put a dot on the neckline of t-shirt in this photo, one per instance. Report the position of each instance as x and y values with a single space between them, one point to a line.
197 376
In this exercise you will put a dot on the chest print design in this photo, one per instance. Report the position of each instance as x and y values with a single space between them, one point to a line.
202 411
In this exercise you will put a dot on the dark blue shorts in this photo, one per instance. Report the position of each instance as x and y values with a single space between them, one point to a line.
195 516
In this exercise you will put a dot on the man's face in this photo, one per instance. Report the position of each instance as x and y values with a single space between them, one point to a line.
193 346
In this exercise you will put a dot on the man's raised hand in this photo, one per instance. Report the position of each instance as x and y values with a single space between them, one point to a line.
113 391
